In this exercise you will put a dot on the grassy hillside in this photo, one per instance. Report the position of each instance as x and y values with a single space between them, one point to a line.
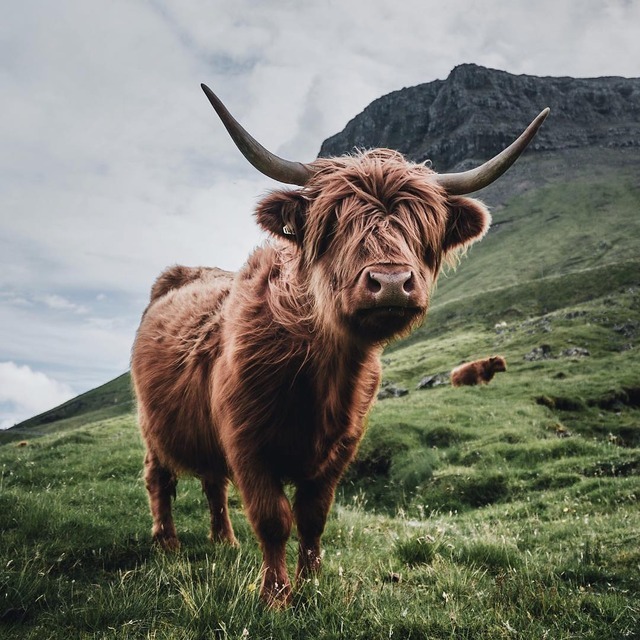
562 228
503 511
111 399
496 512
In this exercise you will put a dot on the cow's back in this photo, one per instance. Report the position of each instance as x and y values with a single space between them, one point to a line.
469 374
176 345
178 276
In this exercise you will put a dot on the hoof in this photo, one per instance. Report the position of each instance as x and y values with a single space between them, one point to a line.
230 540
166 543
276 596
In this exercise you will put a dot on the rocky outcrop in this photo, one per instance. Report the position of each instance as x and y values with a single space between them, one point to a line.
390 390
434 380
476 112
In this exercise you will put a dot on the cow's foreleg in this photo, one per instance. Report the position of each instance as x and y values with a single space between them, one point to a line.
311 508
313 501
270 515
161 487
215 488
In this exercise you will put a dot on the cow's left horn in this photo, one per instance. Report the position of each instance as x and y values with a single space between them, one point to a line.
475 179
263 160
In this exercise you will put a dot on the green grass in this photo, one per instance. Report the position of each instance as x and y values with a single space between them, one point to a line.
465 515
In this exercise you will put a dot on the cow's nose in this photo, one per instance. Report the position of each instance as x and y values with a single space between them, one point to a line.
390 287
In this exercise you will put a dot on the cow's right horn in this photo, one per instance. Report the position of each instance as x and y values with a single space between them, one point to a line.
458 184
263 160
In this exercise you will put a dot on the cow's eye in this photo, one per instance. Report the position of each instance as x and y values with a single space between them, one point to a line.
329 235
431 259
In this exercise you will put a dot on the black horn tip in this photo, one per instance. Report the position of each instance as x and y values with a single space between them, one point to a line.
213 98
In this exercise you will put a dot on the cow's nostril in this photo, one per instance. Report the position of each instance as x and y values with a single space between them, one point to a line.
373 284
409 284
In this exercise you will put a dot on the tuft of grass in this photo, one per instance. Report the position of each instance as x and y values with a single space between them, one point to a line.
496 558
417 550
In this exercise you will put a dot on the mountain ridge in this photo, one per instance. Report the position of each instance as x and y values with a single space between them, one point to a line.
476 112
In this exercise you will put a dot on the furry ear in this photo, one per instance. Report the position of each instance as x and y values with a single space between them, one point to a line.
468 221
283 213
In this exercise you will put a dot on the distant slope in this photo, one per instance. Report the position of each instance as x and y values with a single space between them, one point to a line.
585 220
109 400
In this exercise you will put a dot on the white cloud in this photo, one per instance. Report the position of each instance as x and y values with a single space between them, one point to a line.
54 301
24 392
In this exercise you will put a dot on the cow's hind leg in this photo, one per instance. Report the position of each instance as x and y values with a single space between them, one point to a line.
215 488
161 486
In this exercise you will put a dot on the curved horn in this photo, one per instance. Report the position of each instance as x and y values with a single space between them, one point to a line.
263 160
458 184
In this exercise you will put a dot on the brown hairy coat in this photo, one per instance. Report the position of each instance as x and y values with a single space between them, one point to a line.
265 376
478 371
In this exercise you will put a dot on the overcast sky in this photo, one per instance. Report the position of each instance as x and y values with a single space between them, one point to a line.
113 166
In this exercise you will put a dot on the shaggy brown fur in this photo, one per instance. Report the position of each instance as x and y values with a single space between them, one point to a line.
478 372
265 376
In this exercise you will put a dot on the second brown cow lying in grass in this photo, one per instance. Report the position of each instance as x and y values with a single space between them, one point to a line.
478 371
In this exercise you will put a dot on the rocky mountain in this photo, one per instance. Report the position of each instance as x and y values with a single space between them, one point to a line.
476 112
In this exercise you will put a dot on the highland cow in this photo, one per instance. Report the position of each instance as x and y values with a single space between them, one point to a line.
264 377
478 372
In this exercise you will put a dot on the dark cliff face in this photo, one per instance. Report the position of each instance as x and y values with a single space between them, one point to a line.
476 112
